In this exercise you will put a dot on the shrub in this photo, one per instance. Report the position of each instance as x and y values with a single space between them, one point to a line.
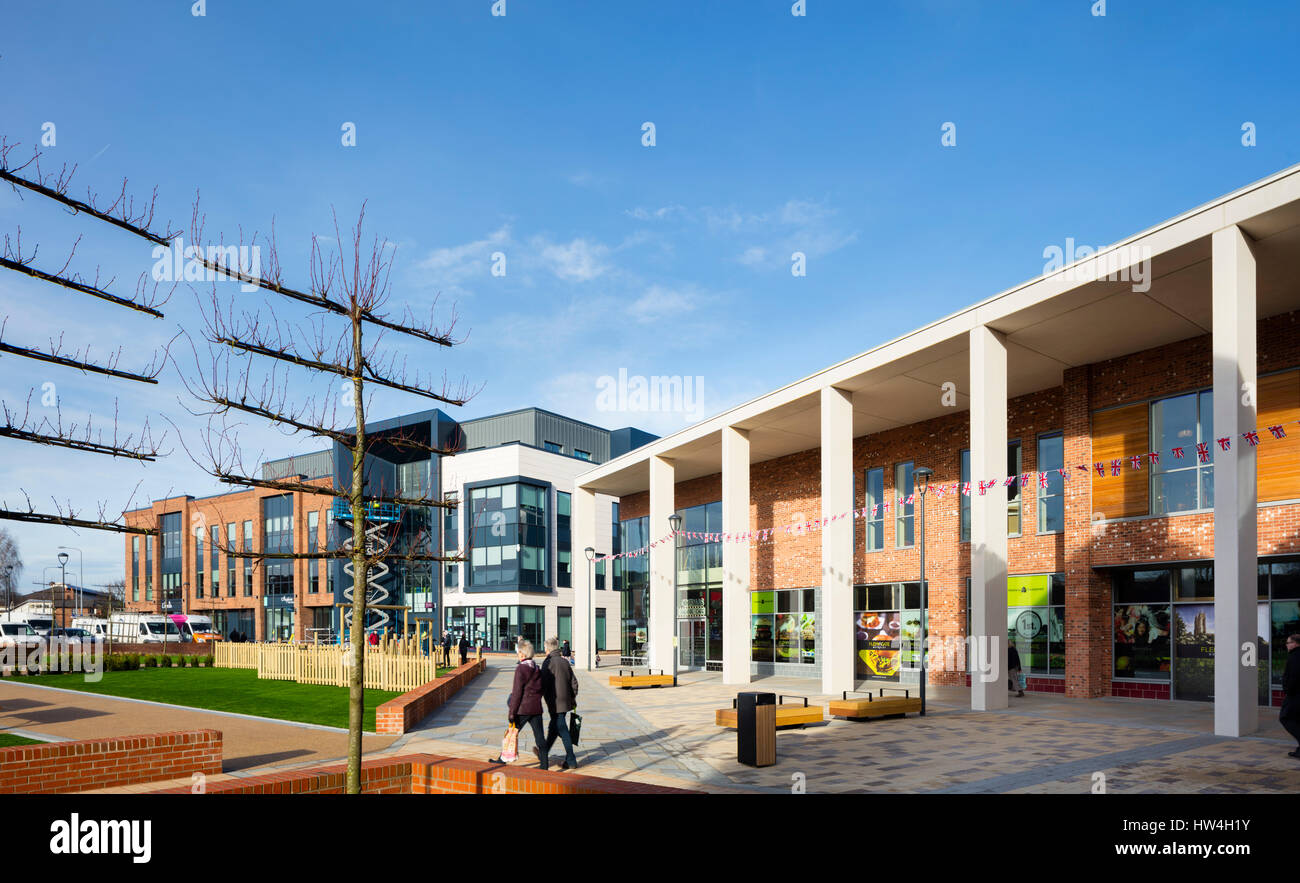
173 661
158 660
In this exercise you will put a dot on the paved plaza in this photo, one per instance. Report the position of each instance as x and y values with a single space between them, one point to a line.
666 736
1040 744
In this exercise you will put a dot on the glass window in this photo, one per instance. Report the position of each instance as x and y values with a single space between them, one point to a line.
565 628
600 629
875 516
1142 586
277 537
1180 484
903 509
582 455
198 562
1013 489
148 568
762 639
508 535
553 447
248 562
965 498
313 565
135 568
232 543
563 540
1051 484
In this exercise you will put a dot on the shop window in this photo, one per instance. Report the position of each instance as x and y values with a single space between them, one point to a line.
1051 488
904 520
1182 484
875 517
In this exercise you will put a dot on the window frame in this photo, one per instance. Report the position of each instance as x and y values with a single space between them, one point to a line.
1041 500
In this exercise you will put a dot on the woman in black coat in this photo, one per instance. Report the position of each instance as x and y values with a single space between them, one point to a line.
526 697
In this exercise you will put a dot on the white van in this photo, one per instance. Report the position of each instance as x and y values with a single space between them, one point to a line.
143 628
95 626
197 628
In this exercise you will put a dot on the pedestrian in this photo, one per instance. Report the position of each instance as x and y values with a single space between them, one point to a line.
374 639
525 705
1290 715
234 636
1013 669
446 648
464 651
560 692
565 651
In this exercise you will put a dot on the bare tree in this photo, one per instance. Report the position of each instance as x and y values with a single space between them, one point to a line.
352 284
19 423
11 565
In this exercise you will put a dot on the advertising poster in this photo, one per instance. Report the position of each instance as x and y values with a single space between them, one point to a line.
877 643
787 637
808 632
1142 641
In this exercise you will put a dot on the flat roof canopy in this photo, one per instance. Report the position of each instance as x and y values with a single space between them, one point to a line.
1057 321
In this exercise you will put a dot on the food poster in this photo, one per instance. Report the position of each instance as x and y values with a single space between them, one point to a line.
787 637
808 636
910 633
877 643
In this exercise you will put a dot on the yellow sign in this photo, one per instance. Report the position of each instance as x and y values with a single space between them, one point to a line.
1029 591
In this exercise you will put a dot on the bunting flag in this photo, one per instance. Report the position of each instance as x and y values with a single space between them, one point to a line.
1253 439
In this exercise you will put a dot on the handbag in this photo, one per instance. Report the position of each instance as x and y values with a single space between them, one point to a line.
510 745
575 726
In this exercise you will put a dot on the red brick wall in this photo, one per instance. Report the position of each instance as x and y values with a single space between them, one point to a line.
218 512
429 774
400 715
66 767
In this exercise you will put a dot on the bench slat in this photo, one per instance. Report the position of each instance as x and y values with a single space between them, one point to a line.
786 715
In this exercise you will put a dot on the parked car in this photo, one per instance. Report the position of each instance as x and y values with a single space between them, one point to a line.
73 636
18 634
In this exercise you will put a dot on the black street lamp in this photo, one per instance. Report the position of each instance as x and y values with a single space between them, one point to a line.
675 524
63 587
921 475
591 600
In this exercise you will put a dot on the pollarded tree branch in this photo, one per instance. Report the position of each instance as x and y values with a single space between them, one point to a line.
69 517
25 428
121 212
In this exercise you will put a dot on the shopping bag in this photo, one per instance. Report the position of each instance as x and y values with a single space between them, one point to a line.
510 745
1021 685
575 726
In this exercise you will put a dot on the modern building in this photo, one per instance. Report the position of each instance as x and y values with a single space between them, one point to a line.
1115 450
510 475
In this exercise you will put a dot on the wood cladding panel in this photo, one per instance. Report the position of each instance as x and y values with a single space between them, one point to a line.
1278 461
1118 434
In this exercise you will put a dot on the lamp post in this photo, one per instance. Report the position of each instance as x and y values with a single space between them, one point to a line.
81 575
675 524
591 600
63 587
921 476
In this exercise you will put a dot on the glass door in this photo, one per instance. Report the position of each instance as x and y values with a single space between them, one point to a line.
691 643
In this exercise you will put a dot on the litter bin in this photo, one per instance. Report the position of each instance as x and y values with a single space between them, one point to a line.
756 729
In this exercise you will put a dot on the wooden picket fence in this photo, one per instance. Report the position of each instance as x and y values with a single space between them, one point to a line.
328 664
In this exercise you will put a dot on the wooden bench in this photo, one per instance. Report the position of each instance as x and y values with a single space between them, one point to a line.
786 715
629 678
867 706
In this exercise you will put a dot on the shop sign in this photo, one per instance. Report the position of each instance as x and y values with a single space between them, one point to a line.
693 608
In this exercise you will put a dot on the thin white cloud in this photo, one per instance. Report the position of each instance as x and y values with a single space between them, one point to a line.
577 261
458 263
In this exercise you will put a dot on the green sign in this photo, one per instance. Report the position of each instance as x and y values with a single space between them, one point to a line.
1029 591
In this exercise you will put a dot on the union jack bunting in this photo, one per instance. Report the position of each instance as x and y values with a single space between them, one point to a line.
1065 477
1178 453
1252 437
1101 469
910 501
1115 466
1278 431
1136 460
1153 458
1203 451
1009 481
985 485
1042 479
1225 443
965 489
1027 479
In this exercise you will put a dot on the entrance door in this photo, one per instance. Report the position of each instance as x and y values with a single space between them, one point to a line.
691 643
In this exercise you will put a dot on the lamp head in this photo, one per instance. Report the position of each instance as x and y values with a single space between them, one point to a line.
922 475
675 522
590 553
63 559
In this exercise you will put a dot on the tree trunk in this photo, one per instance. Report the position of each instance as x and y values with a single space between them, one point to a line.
356 689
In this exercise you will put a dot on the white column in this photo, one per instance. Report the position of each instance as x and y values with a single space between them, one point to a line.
1236 689
583 531
836 615
988 528
735 556
663 566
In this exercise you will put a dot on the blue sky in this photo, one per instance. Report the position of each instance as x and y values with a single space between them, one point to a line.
522 134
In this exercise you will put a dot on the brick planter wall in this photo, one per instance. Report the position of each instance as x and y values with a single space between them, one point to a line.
403 713
428 774
67 767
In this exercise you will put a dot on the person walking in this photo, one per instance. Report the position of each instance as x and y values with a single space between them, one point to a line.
464 651
1290 714
1013 669
565 651
446 648
560 692
525 705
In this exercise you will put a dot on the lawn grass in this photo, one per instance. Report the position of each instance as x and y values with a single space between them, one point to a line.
7 740
228 689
